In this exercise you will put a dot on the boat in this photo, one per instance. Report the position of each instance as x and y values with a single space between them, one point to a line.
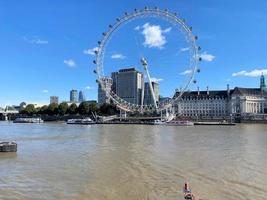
159 122
180 123
188 195
86 121
28 120
173 123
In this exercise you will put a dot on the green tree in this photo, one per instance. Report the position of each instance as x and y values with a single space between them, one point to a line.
29 110
93 108
63 108
73 109
108 109
43 109
52 109
83 108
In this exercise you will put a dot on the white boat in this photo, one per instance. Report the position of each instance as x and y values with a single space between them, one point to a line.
28 120
159 122
85 121
174 123
180 123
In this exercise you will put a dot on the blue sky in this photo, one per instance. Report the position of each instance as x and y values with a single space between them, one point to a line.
45 44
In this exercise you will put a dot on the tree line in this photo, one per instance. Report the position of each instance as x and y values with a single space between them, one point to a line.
84 108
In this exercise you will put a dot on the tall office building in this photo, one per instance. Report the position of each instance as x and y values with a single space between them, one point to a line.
127 84
54 99
73 96
148 99
103 97
81 96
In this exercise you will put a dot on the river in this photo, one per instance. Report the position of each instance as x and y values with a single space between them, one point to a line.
58 161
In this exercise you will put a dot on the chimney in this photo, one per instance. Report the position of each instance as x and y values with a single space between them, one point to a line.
208 93
198 93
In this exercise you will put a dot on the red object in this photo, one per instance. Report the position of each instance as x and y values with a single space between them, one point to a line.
186 186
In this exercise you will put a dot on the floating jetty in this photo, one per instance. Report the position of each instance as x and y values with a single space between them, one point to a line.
215 123
8 147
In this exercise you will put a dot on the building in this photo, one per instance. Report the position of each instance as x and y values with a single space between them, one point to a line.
103 96
54 99
148 99
247 101
81 96
238 102
73 96
204 104
127 84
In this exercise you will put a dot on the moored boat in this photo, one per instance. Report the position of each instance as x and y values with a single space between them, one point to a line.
86 121
180 123
159 122
28 120
174 123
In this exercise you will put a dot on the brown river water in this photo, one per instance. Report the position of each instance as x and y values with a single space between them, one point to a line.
121 162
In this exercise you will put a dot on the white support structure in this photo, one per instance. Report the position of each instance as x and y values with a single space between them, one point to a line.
143 95
144 63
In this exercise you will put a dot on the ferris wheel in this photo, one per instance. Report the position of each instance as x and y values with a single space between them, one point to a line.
192 67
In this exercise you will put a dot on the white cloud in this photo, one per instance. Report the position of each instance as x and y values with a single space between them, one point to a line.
153 79
90 51
189 71
154 36
185 49
70 63
253 73
207 57
117 56
45 91
35 40
137 28
89 87
167 30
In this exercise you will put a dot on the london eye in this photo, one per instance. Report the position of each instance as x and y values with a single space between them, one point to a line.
192 66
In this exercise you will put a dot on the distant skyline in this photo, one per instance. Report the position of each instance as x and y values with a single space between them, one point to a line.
47 48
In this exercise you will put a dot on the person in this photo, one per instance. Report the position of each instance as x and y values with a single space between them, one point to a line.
188 195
